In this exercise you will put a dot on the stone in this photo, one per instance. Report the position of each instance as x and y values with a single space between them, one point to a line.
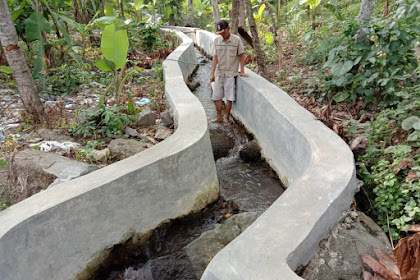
359 144
193 85
48 134
124 148
131 132
166 118
203 249
99 155
338 256
35 170
162 133
221 142
250 151
146 117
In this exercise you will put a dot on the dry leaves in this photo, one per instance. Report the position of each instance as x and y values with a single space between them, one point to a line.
403 265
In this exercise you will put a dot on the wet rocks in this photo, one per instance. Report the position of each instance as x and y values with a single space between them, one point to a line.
221 143
124 148
146 117
338 256
203 249
250 152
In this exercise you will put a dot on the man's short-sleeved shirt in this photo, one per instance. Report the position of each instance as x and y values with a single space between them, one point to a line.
227 55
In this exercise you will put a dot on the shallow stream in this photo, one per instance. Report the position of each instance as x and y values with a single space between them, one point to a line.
244 187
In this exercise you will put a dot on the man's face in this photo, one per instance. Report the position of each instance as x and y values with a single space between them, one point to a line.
225 33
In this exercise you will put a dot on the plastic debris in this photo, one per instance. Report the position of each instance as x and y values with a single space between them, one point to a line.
2 137
142 101
54 146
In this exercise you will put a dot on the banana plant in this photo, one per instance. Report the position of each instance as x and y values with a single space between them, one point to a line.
114 46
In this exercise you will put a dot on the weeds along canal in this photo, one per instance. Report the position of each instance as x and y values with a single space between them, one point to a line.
248 186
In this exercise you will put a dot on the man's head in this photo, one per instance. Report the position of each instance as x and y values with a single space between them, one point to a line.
222 28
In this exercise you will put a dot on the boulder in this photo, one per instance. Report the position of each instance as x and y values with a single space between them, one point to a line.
35 170
124 148
221 142
166 118
162 133
338 256
99 155
250 152
50 135
203 249
146 117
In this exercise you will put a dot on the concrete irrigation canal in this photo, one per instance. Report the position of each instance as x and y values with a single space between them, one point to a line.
146 214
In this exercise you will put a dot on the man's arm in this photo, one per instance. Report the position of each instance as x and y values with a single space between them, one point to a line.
242 58
215 60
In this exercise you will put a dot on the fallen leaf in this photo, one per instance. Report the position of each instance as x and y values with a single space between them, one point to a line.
378 268
412 175
414 228
387 261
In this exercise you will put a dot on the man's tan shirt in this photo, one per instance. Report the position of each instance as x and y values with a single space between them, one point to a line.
227 55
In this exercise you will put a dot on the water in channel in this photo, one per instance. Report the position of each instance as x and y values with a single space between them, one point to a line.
250 186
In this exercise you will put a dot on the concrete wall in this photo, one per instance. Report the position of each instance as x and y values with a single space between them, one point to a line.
314 163
63 232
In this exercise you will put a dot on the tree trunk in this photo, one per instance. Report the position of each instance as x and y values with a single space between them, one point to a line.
190 18
234 17
255 39
122 9
77 14
385 10
364 17
242 17
216 12
279 39
21 72
3 60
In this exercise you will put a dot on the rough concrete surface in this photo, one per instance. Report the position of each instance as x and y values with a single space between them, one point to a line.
313 162
64 232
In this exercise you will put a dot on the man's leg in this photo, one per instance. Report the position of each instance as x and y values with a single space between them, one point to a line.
218 93
229 88
228 108
219 105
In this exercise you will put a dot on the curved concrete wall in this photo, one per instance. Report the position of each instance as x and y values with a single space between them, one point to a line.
63 232
313 162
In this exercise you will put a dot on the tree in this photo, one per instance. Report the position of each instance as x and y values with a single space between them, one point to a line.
255 39
234 17
190 18
216 12
276 33
364 17
21 73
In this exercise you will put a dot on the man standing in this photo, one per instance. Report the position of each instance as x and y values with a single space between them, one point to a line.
227 52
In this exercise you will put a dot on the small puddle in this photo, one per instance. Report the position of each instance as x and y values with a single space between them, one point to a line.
250 186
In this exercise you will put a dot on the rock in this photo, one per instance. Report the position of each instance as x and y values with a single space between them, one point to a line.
166 118
131 132
124 148
203 249
220 142
36 170
338 256
50 135
359 144
162 133
178 264
99 155
193 85
251 151
146 117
